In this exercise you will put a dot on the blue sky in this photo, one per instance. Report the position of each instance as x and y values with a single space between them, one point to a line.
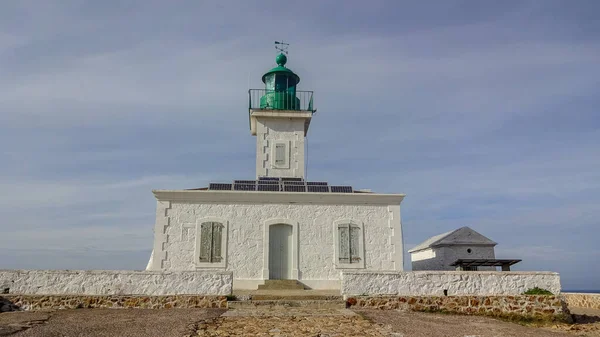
484 113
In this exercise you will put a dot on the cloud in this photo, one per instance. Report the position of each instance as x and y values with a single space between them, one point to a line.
484 115
83 214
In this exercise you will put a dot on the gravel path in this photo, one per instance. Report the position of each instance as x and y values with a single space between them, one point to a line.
416 324
268 322
104 322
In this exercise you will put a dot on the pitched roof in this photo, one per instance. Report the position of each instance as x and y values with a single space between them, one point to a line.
461 236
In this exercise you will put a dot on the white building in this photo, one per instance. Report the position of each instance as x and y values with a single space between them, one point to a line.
278 226
441 251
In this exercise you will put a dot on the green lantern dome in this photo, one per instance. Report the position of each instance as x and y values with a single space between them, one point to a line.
280 87
281 60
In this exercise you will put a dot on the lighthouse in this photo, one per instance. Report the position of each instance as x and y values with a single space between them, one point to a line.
278 229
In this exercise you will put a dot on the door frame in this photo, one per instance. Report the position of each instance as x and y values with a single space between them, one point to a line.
293 249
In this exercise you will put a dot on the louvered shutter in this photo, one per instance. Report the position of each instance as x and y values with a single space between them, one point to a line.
205 241
344 237
217 232
354 235
280 154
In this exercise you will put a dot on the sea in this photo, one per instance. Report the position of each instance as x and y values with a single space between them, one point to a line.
580 291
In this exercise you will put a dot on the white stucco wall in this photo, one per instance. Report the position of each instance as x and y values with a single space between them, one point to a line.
456 282
425 254
270 130
440 258
175 237
115 282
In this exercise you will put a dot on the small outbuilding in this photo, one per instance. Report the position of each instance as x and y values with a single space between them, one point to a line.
460 249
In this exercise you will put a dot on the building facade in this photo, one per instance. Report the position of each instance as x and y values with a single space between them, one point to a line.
278 226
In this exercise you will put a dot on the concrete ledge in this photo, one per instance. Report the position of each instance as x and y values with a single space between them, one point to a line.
115 282
538 307
255 197
289 114
245 284
42 302
583 300
281 304
440 283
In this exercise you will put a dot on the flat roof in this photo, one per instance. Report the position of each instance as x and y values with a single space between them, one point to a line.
484 262
266 197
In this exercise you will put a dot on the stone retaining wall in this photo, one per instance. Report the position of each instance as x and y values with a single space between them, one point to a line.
38 302
583 300
542 307
434 283
115 282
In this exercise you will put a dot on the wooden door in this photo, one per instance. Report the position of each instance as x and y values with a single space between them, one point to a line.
280 252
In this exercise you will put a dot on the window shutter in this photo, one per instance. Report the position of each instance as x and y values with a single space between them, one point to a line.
344 256
217 232
280 154
354 236
205 241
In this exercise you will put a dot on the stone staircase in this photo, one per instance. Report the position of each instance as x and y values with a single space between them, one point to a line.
277 294
287 304
281 285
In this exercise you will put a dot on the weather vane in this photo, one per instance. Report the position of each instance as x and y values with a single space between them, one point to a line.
282 46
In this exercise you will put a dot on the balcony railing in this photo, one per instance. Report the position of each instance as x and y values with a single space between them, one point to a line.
281 100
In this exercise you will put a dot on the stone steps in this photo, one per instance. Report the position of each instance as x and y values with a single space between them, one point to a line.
288 312
280 285
275 304
302 297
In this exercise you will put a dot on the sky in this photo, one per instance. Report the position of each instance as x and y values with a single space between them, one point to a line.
484 113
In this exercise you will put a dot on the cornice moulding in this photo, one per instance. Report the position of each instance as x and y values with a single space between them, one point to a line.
251 197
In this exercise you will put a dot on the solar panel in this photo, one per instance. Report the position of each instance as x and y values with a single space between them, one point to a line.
244 181
268 178
294 188
244 187
317 188
268 182
276 184
272 188
219 187
341 189
291 179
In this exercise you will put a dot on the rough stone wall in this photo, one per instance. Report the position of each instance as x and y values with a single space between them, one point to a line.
583 300
40 302
245 245
523 305
455 282
280 129
440 258
111 282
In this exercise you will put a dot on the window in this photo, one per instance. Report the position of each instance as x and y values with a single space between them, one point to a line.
270 82
349 243
349 250
281 82
470 268
280 154
211 234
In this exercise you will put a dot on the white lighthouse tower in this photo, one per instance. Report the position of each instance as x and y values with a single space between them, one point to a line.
279 118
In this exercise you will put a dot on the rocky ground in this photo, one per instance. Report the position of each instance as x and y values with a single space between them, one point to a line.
273 322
